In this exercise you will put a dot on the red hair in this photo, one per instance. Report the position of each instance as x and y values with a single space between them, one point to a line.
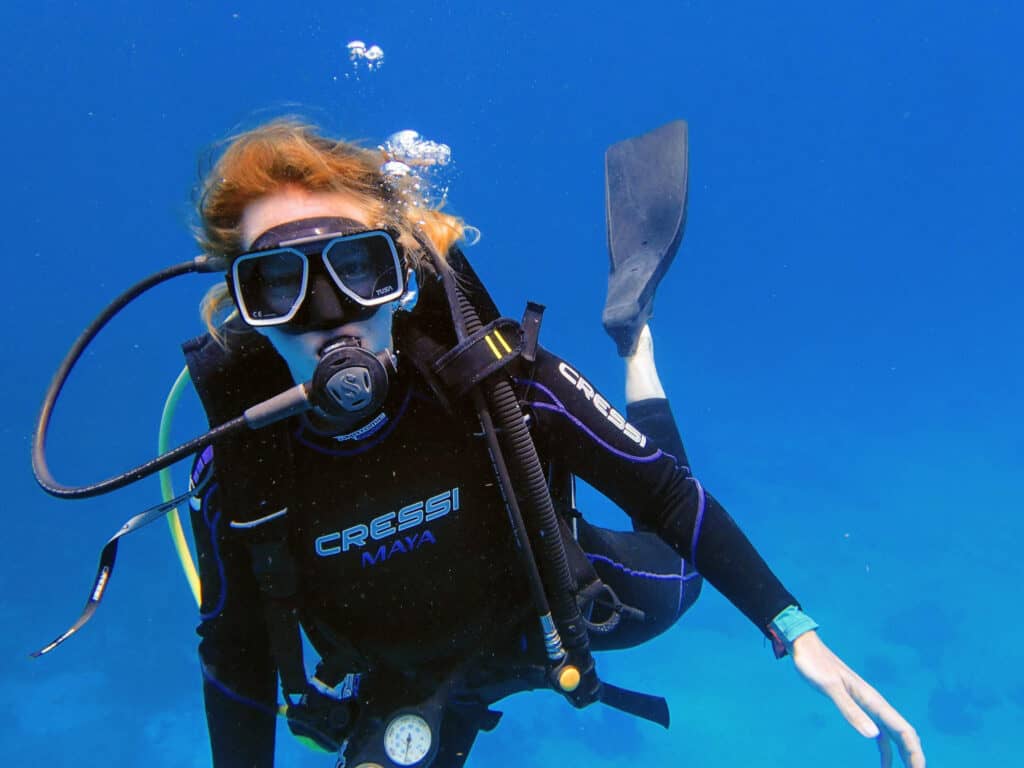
287 152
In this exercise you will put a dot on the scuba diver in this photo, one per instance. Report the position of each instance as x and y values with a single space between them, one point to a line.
388 479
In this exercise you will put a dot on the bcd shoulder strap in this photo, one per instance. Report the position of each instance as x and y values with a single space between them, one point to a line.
452 372
229 379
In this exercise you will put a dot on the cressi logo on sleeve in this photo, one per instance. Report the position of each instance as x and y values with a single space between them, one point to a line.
597 400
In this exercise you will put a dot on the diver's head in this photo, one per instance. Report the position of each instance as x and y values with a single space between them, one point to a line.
286 172
315 270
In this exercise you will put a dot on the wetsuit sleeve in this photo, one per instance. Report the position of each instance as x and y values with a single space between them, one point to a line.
653 417
239 675
577 424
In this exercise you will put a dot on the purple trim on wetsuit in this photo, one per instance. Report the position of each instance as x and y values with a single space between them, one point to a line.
235 695
559 407
365 445
682 585
215 546
202 460
630 572
697 523
264 708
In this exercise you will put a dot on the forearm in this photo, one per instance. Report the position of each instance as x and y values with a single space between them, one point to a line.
651 483
720 534
697 526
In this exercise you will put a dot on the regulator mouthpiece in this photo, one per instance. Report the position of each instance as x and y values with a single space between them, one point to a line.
350 383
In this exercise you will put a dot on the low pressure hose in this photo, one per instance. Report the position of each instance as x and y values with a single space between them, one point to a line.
564 618
565 615
554 562
39 464
292 401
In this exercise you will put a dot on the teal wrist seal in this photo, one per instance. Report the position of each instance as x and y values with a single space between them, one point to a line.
787 626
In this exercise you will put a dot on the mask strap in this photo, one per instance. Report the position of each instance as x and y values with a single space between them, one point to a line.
407 301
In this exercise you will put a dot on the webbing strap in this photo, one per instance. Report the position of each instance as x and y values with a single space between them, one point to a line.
532 317
488 350
254 471
277 575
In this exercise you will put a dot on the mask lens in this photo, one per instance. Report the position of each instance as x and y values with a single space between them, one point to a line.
269 286
365 267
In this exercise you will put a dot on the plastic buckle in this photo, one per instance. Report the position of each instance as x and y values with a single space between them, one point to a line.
348 688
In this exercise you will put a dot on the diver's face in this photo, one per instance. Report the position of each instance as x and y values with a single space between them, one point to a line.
301 350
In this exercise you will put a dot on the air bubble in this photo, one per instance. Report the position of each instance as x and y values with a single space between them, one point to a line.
395 168
421 164
413 149
360 54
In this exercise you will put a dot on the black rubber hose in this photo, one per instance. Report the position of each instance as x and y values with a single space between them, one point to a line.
499 394
554 563
39 464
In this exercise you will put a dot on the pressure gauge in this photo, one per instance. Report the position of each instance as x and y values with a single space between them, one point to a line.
407 739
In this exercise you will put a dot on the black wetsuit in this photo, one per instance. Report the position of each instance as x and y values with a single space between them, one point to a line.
404 545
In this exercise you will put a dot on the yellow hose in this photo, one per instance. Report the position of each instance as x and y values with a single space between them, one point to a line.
188 564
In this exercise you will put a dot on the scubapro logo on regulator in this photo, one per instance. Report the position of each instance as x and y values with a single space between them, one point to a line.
617 419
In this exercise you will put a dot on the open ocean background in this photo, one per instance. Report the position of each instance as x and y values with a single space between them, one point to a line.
838 336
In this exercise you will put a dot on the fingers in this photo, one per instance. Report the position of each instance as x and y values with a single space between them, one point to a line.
885 724
909 745
884 749
827 672
891 723
863 707
854 715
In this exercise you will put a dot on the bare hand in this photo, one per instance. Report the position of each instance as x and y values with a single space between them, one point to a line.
863 707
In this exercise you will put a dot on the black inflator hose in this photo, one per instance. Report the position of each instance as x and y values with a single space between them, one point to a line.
498 392
553 562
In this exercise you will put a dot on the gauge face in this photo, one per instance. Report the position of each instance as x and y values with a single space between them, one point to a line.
407 739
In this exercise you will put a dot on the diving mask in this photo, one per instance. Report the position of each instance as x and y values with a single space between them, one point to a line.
277 285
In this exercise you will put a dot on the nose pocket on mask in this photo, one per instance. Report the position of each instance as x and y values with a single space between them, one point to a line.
323 305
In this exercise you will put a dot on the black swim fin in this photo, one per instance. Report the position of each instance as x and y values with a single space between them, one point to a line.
645 198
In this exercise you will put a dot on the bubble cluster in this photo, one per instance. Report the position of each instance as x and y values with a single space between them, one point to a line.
360 54
409 147
418 166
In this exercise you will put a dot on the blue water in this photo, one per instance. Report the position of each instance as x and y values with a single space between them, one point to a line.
837 335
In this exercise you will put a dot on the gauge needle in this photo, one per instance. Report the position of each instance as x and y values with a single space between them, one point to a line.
408 743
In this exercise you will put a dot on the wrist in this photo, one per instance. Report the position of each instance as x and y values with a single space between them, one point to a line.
786 627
